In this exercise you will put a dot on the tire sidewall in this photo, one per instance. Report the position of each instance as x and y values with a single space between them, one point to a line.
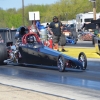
85 58
61 69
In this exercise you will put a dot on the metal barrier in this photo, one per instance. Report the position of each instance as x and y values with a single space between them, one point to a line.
8 35
13 32
97 44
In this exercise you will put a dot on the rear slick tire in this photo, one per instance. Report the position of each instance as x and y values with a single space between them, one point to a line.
3 53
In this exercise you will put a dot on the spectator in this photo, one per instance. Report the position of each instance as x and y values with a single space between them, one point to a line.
47 25
34 28
83 26
38 25
96 31
56 31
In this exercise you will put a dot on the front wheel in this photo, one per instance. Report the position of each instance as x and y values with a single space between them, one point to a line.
83 59
61 63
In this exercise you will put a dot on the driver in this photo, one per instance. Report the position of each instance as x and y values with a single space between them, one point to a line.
31 39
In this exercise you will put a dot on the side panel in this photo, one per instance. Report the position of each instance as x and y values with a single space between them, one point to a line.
41 56
24 54
47 59
33 56
48 56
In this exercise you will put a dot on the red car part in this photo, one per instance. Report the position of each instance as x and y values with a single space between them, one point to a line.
24 38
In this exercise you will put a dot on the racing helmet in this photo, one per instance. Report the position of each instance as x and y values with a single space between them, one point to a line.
22 30
30 39
55 17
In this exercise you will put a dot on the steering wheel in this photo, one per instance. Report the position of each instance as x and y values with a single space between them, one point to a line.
24 38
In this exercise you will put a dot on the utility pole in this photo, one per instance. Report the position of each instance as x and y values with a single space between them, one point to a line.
94 8
23 13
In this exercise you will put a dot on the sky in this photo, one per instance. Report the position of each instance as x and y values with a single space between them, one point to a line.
6 4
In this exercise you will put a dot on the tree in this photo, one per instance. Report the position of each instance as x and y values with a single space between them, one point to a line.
64 9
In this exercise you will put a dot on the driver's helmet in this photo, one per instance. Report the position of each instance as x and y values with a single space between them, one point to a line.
30 39
20 32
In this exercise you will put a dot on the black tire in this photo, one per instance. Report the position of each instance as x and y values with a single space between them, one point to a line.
3 53
61 63
82 58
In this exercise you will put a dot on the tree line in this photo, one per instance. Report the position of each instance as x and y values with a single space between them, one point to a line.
64 9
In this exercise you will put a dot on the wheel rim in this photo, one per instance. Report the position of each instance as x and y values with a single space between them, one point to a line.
60 63
82 59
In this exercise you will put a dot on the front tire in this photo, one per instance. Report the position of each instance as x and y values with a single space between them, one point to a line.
61 63
83 59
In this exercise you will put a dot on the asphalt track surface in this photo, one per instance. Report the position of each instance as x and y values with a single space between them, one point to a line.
84 84
71 84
